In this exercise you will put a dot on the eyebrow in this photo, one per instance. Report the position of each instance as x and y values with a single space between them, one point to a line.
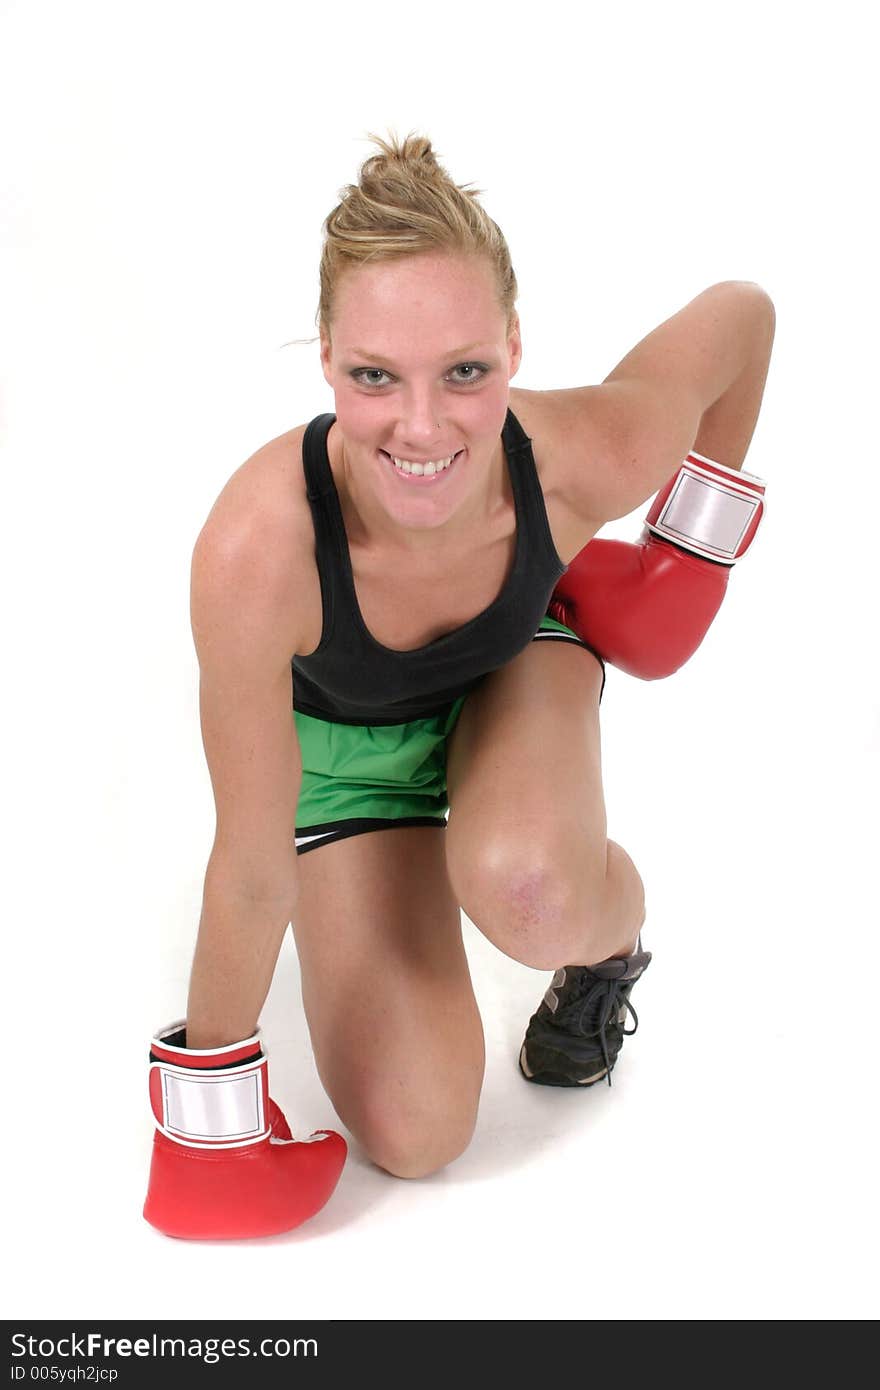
377 356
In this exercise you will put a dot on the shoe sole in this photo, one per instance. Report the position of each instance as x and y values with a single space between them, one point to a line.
553 1078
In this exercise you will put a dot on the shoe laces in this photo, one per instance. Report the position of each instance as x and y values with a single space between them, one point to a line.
601 1004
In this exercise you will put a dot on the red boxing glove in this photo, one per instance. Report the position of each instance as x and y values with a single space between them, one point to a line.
646 607
224 1163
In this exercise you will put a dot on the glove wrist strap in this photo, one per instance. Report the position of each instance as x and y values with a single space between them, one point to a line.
708 508
211 1098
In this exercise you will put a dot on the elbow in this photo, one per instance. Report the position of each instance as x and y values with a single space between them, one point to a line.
761 294
764 310
230 878
754 290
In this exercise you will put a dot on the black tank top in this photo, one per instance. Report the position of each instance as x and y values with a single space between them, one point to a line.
352 679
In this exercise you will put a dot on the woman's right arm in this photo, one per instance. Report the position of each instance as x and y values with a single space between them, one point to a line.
242 596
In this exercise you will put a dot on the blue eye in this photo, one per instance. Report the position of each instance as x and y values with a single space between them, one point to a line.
474 367
362 374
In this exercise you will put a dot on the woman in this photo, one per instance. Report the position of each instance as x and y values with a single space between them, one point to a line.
395 561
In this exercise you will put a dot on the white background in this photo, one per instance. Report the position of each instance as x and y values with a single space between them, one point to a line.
166 170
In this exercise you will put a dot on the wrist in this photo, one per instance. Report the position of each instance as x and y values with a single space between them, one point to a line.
708 508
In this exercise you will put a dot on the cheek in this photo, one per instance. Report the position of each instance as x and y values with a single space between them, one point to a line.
485 412
361 417
498 392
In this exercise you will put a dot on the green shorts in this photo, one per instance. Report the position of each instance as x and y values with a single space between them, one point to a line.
362 777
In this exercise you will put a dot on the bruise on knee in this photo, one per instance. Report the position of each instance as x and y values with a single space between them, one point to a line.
528 905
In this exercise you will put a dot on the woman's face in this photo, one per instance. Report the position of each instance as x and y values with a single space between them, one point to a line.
420 364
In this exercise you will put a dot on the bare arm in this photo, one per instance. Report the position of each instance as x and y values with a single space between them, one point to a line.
695 382
241 621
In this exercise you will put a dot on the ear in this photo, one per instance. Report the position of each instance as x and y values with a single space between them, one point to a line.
326 351
514 347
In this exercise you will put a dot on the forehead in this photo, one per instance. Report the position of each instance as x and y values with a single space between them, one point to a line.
420 297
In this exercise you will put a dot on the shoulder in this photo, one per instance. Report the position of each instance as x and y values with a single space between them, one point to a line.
260 509
564 433
255 550
612 446
603 450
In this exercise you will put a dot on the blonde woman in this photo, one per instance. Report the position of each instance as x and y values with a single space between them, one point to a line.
399 611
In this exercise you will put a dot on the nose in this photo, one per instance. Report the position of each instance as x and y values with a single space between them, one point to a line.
421 420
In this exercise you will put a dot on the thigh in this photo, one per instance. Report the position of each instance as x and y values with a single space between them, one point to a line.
524 774
387 993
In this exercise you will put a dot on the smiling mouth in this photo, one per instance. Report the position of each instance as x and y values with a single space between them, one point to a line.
415 473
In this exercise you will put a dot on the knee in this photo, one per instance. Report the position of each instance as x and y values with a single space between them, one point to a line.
418 1156
411 1141
537 903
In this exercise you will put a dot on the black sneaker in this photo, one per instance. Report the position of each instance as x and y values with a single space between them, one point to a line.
574 1037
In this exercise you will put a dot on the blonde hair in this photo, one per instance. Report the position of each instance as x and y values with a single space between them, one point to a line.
405 203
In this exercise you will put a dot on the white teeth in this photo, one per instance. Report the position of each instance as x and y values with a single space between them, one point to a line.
421 469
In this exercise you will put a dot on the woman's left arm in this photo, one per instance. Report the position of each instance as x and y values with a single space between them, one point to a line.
727 426
694 383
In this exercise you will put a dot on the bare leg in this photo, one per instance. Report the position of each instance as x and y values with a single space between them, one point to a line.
386 987
527 848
